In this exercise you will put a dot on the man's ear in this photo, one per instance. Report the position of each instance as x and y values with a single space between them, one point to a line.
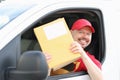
72 31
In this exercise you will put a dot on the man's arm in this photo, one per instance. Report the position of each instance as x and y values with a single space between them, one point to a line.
94 72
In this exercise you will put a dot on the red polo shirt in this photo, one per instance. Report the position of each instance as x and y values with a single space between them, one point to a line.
79 65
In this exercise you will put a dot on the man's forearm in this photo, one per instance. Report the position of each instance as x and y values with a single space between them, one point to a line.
94 72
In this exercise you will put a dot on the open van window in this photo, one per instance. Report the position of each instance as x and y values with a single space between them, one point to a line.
97 46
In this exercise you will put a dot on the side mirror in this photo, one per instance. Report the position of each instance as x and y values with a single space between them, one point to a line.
32 65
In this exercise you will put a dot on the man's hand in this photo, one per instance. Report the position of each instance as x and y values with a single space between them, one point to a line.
76 47
48 56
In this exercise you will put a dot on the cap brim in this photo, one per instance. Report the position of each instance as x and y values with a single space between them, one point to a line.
92 29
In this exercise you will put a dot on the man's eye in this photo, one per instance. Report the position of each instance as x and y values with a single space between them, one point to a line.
80 32
88 33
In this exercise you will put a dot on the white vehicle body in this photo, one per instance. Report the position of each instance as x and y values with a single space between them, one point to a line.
111 14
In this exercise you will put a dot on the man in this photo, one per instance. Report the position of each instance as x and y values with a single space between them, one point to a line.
82 34
81 31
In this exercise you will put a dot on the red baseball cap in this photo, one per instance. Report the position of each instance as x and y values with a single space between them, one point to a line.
80 23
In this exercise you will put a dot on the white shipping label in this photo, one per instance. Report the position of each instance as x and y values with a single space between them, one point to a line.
55 30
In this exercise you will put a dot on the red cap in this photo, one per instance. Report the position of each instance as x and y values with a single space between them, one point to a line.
80 23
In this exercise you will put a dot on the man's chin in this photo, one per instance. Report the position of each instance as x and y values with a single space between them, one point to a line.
84 46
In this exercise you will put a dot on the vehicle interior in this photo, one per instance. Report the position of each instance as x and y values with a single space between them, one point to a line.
97 46
28 42
70 15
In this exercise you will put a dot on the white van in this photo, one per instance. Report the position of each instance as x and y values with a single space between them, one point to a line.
18 41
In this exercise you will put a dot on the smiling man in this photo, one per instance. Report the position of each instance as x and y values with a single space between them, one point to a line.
81 31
